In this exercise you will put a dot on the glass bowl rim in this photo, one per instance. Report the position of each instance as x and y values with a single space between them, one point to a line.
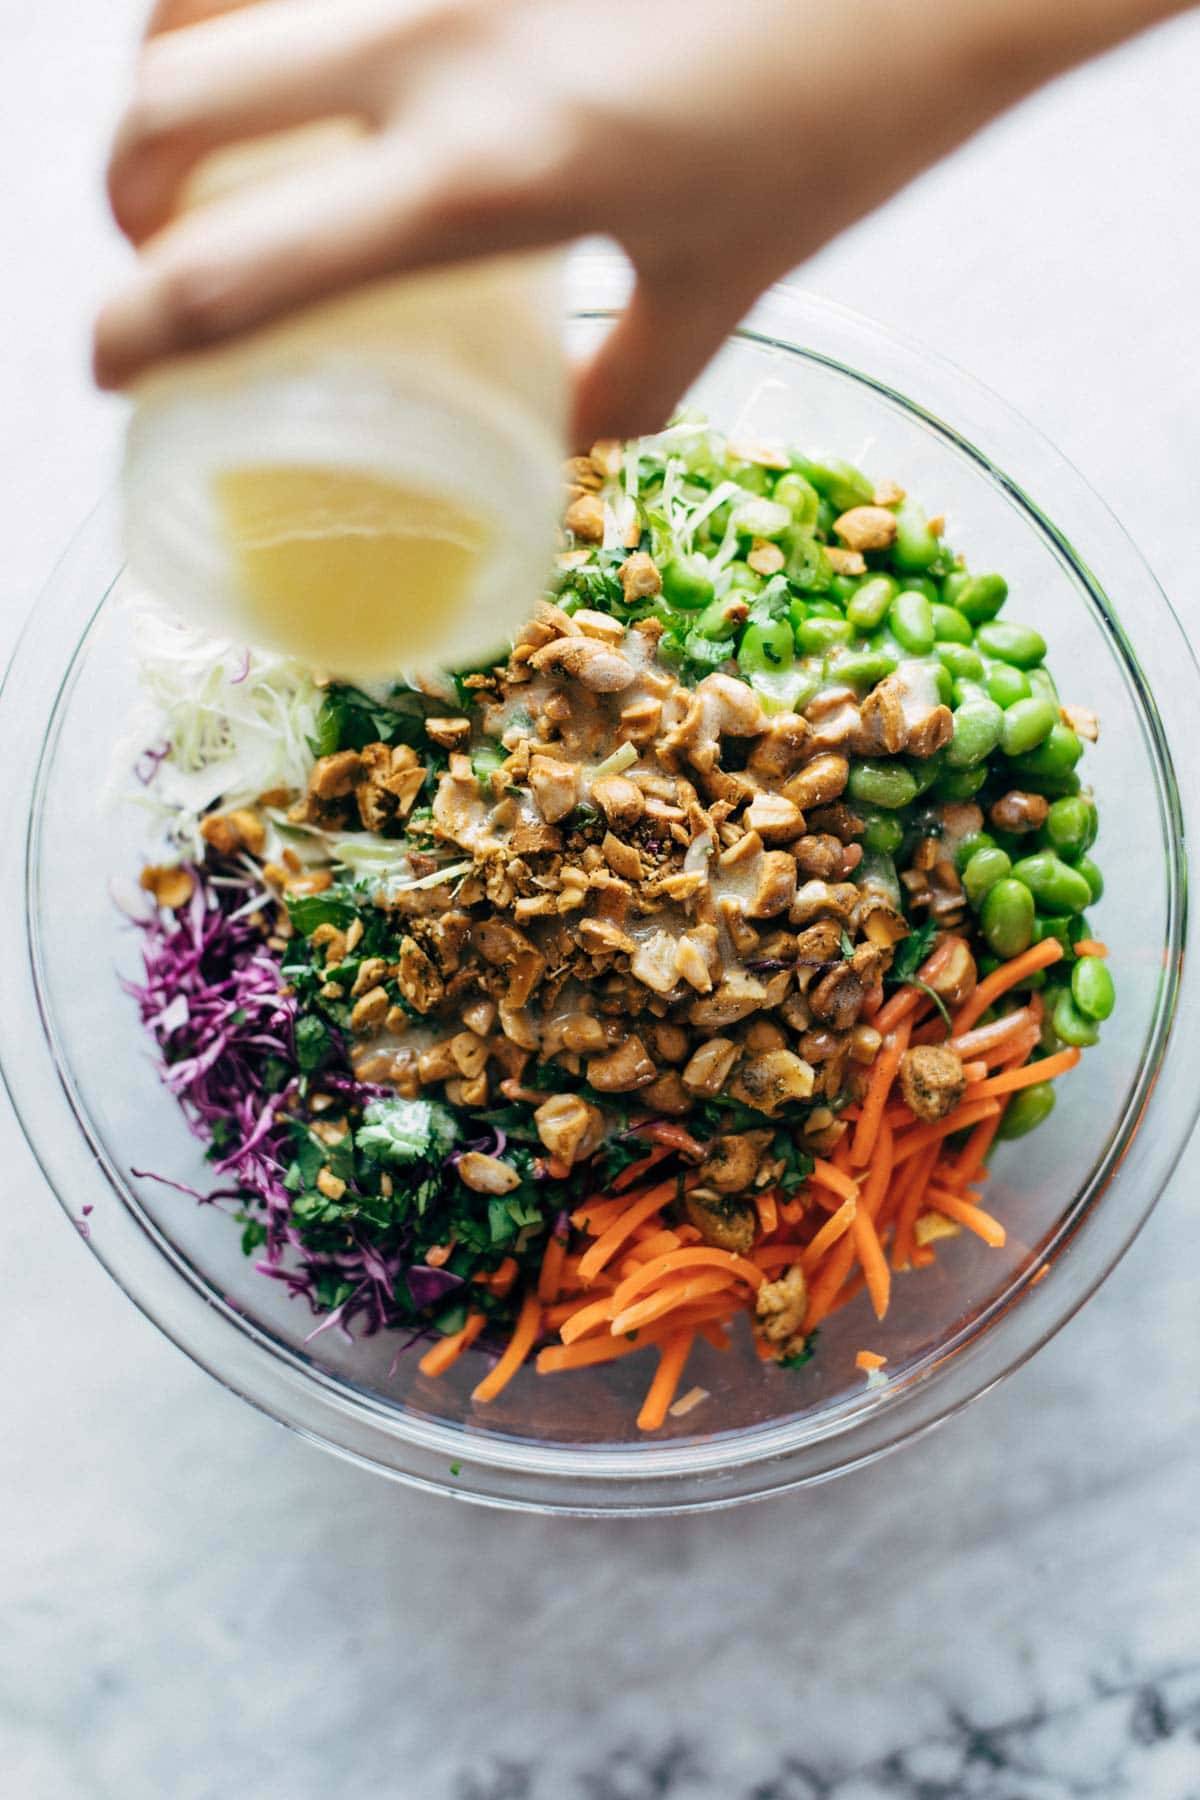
641 1477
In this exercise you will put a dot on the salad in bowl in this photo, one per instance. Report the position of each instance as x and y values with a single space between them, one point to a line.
667 977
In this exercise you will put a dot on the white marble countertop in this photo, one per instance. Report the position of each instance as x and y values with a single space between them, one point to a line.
195 1605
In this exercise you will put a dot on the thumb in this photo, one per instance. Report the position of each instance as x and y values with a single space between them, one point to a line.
672 327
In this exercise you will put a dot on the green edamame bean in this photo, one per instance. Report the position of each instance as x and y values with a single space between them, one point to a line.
911 619
1091 874
1070 1025
753 478
942 679
1070 826
766 649
761 518
1054 884
821 608
1027 1109
963 692
717 619
951 626
815 636
1057 753
800 496
807 565
1027 723
744 578
687 584
980 597
862 668
869 606
1059 928
975 840
843 589
1007 685
925 770
1092 988
916 547
977 729
923 584
1041 683
883 833
840 484
1017 644
959 784
879 783
963 662
1006 917
983 870
1052 786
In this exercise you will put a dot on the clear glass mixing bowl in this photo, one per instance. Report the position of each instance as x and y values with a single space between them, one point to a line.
1072 1195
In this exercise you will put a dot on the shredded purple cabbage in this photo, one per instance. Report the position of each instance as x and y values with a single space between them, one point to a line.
214 1003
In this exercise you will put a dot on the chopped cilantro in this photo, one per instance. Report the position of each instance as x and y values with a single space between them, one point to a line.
314 1042
350 720
911 953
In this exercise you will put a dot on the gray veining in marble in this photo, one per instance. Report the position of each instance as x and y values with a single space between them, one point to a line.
195 1606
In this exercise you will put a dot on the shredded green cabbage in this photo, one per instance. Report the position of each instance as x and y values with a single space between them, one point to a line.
234 722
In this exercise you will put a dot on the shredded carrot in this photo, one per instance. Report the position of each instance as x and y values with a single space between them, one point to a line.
1046 1070
665 1299
869 1359
923 1256
596 1213
966 1113
973 1217
775 1256
702 1256
443 1354
874 1263
1038 956
883 1073
767 1209
557 1169
437 1254
975 1071
1018 1049
880 1173
912 999
835 1179
909 1205
1090 947
829 1234
713 1334
635 1171
848 1292
823 1289
667 1377
550 1273
665 1131
995 1035
519 1345
556 1357
592 1315
971 1158
791 1211
655 1243
500 1280
610 1241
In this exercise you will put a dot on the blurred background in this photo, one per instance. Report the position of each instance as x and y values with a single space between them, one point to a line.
196 1605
